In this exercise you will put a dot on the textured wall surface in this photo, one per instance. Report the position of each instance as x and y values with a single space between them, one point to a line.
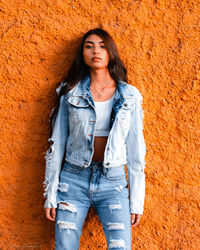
158 42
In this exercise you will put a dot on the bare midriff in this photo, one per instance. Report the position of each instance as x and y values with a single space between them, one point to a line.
100 141
99 148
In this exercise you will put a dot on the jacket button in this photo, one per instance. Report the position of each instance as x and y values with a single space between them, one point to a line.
107 164
125 105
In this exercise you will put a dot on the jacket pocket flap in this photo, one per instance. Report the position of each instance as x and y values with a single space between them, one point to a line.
78 101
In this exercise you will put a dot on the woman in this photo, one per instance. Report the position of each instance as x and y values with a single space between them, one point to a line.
97 128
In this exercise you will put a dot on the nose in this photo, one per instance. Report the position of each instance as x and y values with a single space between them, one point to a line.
96 50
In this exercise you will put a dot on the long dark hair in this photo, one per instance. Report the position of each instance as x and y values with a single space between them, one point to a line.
79 70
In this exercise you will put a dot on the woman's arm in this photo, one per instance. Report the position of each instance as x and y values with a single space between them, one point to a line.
54 155
136 151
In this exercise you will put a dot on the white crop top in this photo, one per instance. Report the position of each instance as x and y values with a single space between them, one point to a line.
103 112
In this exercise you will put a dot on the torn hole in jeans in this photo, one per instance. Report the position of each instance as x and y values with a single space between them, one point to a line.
115 206
115 226
64 205
63 187
117 243
66 225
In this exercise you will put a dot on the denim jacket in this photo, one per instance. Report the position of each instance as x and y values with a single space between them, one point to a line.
73 139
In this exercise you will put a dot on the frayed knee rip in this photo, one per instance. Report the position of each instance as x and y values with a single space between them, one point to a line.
115 206
66 225
117 244
64 205
115 226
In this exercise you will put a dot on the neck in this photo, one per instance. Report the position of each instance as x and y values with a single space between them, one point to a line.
98 77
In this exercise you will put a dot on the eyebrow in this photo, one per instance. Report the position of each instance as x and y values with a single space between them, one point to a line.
93 42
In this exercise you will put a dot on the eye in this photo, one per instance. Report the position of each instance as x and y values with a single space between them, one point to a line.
88 46
103 46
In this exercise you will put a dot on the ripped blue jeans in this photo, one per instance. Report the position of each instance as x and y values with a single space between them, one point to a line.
105 189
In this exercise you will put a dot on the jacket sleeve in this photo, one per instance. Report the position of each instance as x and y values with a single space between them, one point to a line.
136 150
54 155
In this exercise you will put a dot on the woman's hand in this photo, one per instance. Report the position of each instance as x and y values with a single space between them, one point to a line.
50 213
135 219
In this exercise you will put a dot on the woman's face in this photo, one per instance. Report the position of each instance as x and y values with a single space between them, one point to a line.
94 52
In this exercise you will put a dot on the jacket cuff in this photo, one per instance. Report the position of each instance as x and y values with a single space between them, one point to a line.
136 210
49 204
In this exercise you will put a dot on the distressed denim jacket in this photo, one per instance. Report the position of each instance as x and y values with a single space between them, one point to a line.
73 139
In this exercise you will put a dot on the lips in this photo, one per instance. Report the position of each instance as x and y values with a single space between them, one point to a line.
96 58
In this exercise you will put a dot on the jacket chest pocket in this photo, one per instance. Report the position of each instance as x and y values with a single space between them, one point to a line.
78 109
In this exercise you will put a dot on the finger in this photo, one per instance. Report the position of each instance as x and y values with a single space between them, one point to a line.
48 214
132 219
53 213
137 220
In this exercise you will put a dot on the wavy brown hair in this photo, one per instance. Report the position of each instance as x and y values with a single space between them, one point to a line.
79 70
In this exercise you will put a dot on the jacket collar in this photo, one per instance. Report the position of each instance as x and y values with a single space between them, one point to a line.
83 89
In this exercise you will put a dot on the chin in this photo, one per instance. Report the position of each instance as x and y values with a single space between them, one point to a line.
96 67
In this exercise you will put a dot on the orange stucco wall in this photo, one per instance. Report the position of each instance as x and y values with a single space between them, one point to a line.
159 44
